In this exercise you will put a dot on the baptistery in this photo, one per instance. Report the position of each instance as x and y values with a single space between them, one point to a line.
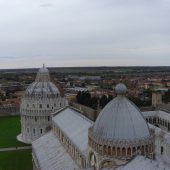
41 99
119 133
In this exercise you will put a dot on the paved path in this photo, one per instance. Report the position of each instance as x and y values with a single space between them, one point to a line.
15 148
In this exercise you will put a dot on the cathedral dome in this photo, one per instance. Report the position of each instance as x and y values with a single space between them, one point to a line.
121 119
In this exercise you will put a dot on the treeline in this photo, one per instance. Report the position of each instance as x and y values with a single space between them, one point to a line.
85 98
166 97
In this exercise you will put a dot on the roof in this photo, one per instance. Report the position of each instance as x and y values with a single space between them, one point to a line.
142 163
51 154
75 126
121 120
42 86
158 131
157 113
43 74
41 89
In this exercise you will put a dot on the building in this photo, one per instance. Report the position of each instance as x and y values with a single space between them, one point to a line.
119 139
156 98
41 99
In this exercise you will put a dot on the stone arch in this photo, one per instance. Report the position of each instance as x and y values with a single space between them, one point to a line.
142 149
134 150
150 120
150 148
162 150
118 152
123 151
129 151
105 149
107 163
92 159
113 151
109 150
146 149
154 120
156 125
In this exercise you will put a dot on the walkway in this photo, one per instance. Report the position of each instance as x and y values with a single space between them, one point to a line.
15 148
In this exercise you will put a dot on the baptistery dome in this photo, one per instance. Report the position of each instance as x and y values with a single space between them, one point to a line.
119 133
41 99
42 87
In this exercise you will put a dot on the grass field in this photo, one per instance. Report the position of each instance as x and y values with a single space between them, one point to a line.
16 160
9 128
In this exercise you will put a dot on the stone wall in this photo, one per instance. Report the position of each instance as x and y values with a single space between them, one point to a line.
86 111
9 110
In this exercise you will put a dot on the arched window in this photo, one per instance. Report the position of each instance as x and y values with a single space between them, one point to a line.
162 150
146 148
150 148
134 150
105 149
129 151
109 150
142 149
118 151
168 126
40 106
113 151
92 160
27 130
123 152
48 118
154 120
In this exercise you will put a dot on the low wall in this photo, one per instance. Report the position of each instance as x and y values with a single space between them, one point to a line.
9 110
86 111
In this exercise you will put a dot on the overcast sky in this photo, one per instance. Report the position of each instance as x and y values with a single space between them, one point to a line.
84 33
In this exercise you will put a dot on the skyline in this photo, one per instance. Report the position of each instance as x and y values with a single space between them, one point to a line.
84 33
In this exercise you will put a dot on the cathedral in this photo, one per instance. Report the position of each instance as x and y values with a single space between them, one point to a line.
62 138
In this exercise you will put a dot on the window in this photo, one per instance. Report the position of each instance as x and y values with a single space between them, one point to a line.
48 118
162 150
35 118
47 105
27 130
34 131
40 105
41 131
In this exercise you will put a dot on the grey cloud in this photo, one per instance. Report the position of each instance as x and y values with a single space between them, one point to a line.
45 5
75 31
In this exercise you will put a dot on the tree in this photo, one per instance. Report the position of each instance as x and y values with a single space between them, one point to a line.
110 97
94 102
79 97
103 101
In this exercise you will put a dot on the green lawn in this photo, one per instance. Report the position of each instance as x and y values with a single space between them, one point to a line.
16 160
9 128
